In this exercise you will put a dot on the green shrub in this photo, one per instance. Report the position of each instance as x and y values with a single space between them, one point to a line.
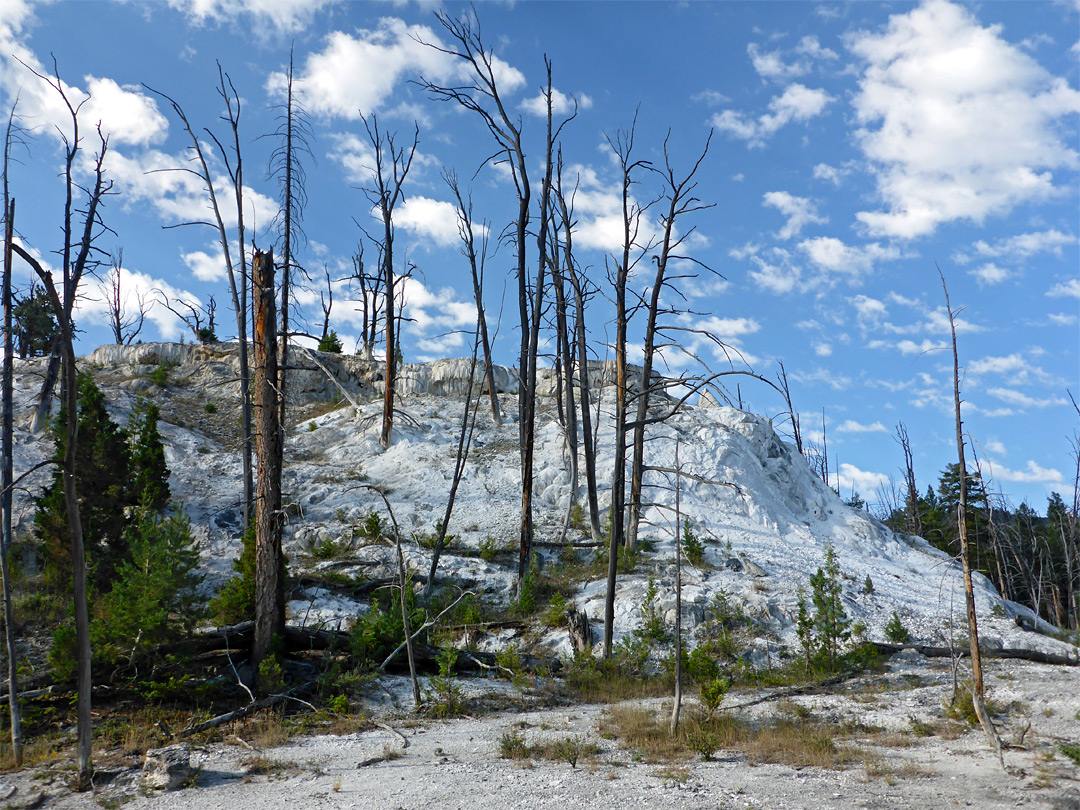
330 343
701 666
555 615
210 407
693 548
652 627
713 693
895 630
868 586
512 746
159 376
444 699
235 602
154 598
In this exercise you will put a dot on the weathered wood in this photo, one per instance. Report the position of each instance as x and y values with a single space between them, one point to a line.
269 563
950 652
577 622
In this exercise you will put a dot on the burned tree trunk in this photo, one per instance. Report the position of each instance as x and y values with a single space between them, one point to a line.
269 564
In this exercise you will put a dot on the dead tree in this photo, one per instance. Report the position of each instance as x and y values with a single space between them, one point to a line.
370 292
468 424
62 308
326 304
680 200
793 414
476 260
622 145
238 289
480 95
911 504
7 429
195 315
392 164
295 132
125 325
577 283
269 563
961 522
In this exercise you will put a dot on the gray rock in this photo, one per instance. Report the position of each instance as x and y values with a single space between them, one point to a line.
167 768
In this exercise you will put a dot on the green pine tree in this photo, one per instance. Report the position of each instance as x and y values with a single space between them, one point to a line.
149 474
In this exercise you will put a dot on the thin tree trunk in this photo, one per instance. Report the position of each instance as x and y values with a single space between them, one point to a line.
6 495
961 517
269 579
678 596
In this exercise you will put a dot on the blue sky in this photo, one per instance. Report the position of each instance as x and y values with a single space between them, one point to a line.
855 145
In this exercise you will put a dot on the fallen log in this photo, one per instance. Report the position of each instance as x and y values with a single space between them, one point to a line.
244 711
1037 656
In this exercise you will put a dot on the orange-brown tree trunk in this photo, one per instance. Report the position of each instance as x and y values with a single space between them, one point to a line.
269 564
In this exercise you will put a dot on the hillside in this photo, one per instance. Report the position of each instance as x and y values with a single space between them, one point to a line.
765 518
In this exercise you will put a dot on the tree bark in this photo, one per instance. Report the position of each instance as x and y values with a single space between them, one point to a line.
269 567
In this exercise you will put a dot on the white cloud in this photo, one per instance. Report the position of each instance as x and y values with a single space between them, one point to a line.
1022 400
810 46
781 277
710 97
822 349
597 205
127 115
852 479
1033 474
206 266
436 220
283 16
833 256
831 174
959 123
796 103
869 312
829 377
800 211
1021 246
996 447
561 103
907 347
1065 289
358 73
851 426
1062 319
990 274
771 65
998 365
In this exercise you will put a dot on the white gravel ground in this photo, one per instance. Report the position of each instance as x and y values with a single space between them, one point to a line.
455 764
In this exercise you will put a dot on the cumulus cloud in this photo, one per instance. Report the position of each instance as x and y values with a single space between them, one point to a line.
800 212
1065 289
957 122
436 220
771 64
990 274
1008 364
852 479
1019 246
834 256
128 116
358 73
869 312
797 103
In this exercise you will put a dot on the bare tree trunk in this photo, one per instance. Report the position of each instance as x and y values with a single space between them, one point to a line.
961 518
476 267
678 595
468 421
6 495
680 200
269 573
